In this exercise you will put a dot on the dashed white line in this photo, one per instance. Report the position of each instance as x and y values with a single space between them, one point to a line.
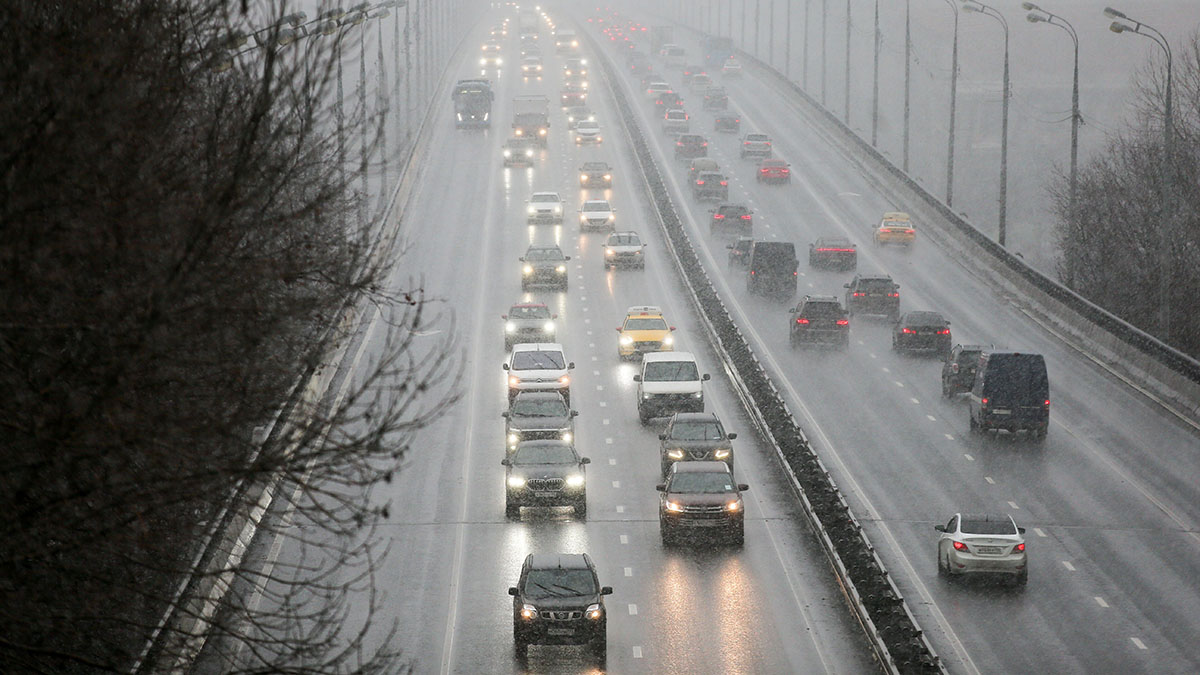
1038 531
612 461
914 400
595 358
1014 506
969 458
637 652
608 441
603 404
632 609
585 309
1138 643
1100 601
1067 564
899 384
931 418
620 508
605 421
595 372
587 321
624 539
989 480
592 345
616 483
885 369
948 437
628 571
599 387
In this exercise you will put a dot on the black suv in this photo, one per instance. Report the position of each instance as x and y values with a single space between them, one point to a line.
922 331
819 319
772 268
1011 392
728 218
544 473
701 496
958 371
739 252
595 175
694 437
544 266
873 294
691 146
832 253
711 185
715 98
728 122
538 415
558 600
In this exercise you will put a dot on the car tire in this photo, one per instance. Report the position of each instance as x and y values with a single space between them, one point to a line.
599 649
945 389
668 537
508 345
792 341
520 646
738 538
974 426
943 568
1039 436
1021 578
581 507
512 511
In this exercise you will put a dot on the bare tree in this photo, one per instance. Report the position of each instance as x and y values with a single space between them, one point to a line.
1112 253
173 262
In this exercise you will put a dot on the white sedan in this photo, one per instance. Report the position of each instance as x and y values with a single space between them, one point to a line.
545 207
587 131
731 68
624 249
982 544
597 214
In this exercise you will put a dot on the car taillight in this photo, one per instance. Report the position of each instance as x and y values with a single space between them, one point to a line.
960 546
1019 548
910 232
944 331
1046 404
785 170
699 182
859 294
724 182
704 144
843 322
718 216
983 402
908 330
893 295
746 217
679 143
802 321
764 170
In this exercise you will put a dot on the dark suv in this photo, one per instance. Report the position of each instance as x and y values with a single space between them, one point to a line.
701 496
558 600
922 331
772 268
691 146
715 98
832 253
544 473
739 252
873 294
1011 392
736 219
694 437
819 319
538 415
958 371
711 185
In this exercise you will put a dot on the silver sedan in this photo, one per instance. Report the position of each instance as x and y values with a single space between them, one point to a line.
982 544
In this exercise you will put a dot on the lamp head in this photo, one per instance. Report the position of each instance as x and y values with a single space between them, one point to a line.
1113 14
1029 6
1118 27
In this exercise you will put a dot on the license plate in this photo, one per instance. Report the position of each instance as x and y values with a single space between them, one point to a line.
560 631
993 550
705 523
545 495
1001 412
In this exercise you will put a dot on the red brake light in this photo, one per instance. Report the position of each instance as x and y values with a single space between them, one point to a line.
910 232
1019 548
764 170
908 330
699 182
746 217
843 322
1047 403
859 294
785 170
802 321
704 144
724 182
960 546
718 216
983 401
893 295
944 331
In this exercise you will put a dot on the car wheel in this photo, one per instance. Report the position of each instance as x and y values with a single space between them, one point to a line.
945 389
1021 578
599 648
520 646
974 425
738 538
792 341
581 507
668 537
943 567
643 418
1039 436
512 511
508 345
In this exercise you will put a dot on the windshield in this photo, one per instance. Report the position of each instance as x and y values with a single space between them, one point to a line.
624 240
698 482
538 361
518 313
671 371
875 285
540 407
823 310
645 324
544 454
757 138
1019 378
697 431
925 319
596 206
544 254
544 198
558 583
987 527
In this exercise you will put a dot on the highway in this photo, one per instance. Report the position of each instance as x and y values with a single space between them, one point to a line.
1110 500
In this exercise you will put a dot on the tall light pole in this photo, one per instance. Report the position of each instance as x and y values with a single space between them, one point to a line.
1124 24
907 74
771 32
1039 15
986 10
824 53
757 9
953 105
846 108
875 84
804 60
787 44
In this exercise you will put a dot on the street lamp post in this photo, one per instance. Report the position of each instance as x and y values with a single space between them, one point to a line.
824 53
907 75
846 113
1124 24
986 10
787 44
1036 15
953 105
875 84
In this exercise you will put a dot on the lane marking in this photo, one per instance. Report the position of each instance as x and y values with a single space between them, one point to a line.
628 571
1100 601
1038 531
931 418
637 651
885 369
624 539
616 483
917 401
1138 643
608 441
605 421
632 609
1067 564
949 437
599 387
612 461
989 480
620 508
602 404
969 458
899 384
595 372
1014 506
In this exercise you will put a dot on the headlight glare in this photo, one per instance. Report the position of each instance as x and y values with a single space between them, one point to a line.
626 340
675 454
668 340
735 505
528 269
514 381
549 327
560 269
510 326
721 453
516 481
529 612
594 611
674 507
513 438
575 480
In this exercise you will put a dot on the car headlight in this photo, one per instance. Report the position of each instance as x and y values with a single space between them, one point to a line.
541 132
721 453
668 340
483 62
528 269
608 251
499 60
594 612
528 612
735 505
507 153
674 507
529 153
532 209
698 394
513 380
561 269
513 438
558 208
566 436
519 132
575 480
607 177
548 327
516 481
675 454
565 379
583 178
626 340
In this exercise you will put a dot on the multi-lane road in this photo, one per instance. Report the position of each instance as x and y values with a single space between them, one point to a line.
1109 500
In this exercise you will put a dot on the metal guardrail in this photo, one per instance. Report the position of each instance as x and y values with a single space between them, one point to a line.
898 643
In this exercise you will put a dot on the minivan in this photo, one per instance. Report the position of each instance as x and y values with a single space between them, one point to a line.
1011 392
772 268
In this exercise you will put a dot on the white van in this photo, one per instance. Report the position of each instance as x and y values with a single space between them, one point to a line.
669 382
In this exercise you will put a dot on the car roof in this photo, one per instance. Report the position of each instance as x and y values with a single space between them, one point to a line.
691 137
700 467
537 347
543 248
834 240
540 395
820 298
695 417
644 310
668 356
732 205
529 304
895 215
543 194
566 561
874 277
984 517
595 165
773 162
924 316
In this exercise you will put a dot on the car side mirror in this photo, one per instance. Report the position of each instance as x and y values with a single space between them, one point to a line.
637 378
947 323
505 366
505 414
567 257
1021 530
606 590
706 377
504 462
672 327
793 310
732 436
896 286
662 437
571 366
522 258
845 285
940 528
742 487
661 487
512 590
504 316
574 413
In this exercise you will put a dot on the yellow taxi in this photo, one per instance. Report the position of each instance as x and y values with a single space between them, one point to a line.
644 330
895 228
